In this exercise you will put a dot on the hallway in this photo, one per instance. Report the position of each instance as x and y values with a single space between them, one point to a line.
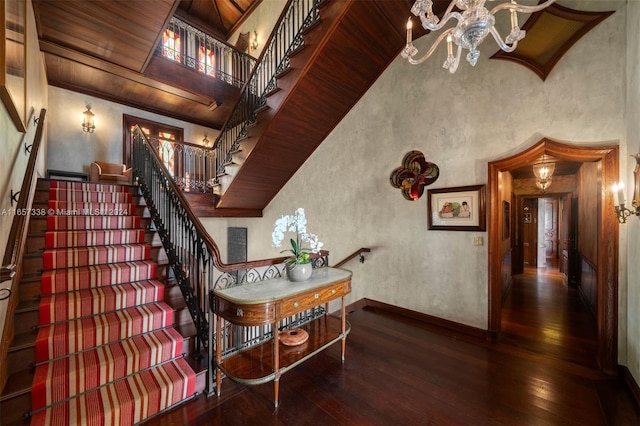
543 315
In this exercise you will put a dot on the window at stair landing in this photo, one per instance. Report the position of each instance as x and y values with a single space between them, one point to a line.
205 61
165 136
166 149
171 45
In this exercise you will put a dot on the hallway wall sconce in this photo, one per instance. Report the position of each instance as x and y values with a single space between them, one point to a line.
622 212
88 124
205 142
254 41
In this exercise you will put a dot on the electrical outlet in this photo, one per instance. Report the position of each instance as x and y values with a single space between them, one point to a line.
478 241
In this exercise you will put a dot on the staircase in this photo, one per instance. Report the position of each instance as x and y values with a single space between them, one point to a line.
325 76
99 329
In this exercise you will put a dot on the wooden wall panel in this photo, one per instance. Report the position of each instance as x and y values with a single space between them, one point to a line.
588 214
589 284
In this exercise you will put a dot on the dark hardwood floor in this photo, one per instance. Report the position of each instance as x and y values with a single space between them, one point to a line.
401 371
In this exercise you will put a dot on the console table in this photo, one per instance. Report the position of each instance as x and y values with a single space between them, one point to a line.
268 302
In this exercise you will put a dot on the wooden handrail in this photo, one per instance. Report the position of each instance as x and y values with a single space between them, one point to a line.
12 262
351 256
26 195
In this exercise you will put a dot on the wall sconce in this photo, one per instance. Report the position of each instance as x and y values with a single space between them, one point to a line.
543 172
254 41
623 212
87 122
205 141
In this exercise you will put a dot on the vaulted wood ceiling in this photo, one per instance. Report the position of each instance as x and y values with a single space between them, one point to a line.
105 48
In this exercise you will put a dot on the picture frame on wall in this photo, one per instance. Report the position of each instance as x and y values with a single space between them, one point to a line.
461 208
13 60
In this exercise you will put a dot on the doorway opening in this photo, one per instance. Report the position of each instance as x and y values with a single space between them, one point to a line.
598 261
543 309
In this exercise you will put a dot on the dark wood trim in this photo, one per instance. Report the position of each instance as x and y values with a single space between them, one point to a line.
108 67
542 70
631 384
158 39
451 326
607 262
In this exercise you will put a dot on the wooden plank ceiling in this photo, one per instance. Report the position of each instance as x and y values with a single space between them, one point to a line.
105 48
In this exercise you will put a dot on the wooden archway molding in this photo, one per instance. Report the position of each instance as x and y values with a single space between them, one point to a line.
607 236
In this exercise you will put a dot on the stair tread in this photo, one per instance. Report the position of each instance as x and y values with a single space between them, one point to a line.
125 398
82 371
92 301
59 339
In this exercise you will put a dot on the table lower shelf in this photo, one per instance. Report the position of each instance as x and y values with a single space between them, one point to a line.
255 365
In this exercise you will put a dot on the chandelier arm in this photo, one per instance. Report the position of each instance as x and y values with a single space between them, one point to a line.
520 8
504 46
432 49
447 17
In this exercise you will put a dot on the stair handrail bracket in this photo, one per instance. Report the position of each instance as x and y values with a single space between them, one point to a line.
193 256
287 37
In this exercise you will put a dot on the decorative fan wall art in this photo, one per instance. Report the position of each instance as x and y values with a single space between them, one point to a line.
414 174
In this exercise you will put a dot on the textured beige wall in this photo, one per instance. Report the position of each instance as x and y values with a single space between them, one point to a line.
460 122
13 160
629 294
74 150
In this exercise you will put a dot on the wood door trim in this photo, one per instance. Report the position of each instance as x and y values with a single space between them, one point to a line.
607 304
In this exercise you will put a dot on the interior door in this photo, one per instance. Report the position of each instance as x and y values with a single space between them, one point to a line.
528 219
550 231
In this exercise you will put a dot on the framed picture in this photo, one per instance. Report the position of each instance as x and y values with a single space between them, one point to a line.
13 60
457 209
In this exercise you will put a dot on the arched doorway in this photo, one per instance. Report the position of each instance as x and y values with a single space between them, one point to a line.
606 236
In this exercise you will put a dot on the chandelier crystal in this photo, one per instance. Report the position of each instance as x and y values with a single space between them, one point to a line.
475 23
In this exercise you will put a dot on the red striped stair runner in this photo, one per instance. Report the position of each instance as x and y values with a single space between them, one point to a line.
106 350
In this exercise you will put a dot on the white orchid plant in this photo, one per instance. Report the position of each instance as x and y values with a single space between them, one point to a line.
297 223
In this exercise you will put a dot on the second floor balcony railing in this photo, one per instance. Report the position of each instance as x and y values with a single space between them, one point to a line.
194 49
192 167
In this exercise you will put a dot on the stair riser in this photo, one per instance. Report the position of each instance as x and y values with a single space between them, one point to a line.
32 263
30 289
37 224
25 322
182 316
14 409
35 243
22 359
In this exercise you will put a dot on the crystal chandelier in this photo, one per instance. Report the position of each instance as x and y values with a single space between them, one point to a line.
475 22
